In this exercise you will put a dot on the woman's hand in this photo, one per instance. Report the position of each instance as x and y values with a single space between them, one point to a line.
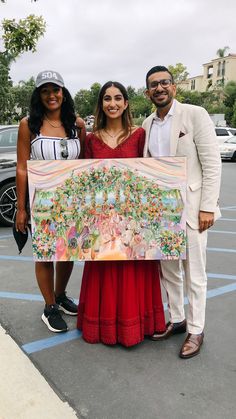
21 220
23 154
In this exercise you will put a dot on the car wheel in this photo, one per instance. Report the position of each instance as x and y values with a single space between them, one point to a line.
8 204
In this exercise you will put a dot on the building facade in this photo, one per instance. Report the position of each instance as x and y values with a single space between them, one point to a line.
218 71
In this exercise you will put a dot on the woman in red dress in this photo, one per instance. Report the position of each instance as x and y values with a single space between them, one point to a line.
120 301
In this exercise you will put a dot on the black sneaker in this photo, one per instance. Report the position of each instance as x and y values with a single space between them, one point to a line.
52 318
66 304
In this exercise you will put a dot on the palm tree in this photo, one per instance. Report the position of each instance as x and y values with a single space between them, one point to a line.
221 52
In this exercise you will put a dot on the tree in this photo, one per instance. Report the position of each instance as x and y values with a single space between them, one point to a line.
17 37
221 52
5 86
94 92
179 72
22 94
131 92
85 100
230 94
229 101
139 104
22 36
192 97
82 102
212 101
233 118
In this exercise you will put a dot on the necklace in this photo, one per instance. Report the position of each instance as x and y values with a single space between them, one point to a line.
112 136
50 123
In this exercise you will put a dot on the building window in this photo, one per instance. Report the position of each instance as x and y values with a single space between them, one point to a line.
210 72
219 69
223 69
192 84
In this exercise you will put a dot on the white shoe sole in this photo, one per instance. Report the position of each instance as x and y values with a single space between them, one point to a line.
45 320
66 311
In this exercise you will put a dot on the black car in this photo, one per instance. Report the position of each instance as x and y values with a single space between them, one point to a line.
8 140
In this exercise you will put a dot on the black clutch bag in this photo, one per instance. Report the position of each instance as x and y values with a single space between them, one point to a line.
20 238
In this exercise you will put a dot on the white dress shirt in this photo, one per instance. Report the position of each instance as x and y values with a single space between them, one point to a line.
159 140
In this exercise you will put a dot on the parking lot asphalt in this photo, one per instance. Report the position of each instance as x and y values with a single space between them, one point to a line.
147 381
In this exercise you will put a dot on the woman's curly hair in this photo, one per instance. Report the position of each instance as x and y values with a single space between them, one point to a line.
37 113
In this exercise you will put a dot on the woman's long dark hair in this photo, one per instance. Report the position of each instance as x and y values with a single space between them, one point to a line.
37 112
100 117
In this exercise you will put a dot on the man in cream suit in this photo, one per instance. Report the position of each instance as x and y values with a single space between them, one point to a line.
176 129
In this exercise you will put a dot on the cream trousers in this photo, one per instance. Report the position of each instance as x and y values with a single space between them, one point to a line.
193 270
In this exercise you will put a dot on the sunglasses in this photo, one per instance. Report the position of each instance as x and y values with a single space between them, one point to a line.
64 148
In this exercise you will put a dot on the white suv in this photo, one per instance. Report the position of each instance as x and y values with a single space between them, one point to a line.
224 133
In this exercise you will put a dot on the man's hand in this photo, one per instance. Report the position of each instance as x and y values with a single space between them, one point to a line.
206 220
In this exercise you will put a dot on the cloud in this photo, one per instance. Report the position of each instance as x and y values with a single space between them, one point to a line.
94 41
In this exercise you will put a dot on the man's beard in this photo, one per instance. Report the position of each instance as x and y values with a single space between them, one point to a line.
162 104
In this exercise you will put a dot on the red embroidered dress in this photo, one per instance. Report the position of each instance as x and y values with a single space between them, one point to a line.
120 301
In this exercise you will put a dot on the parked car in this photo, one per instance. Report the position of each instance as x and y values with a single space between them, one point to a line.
224 133
89 121
228 149
8 139
233 131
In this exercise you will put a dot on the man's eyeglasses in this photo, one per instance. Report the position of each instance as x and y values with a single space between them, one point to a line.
164 83
64 149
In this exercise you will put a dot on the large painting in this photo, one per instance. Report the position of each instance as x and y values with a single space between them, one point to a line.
108 209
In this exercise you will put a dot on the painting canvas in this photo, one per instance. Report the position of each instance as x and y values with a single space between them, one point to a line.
108 209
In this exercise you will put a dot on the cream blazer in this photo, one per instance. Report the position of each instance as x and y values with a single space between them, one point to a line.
193 135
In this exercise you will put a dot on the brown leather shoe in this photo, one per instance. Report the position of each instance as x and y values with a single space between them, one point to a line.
191 345
171 329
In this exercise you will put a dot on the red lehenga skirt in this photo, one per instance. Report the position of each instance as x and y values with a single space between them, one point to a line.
120 302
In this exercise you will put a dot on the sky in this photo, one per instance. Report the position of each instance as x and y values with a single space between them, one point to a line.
90 41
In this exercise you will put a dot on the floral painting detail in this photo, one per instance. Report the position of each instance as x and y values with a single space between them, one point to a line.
111 209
